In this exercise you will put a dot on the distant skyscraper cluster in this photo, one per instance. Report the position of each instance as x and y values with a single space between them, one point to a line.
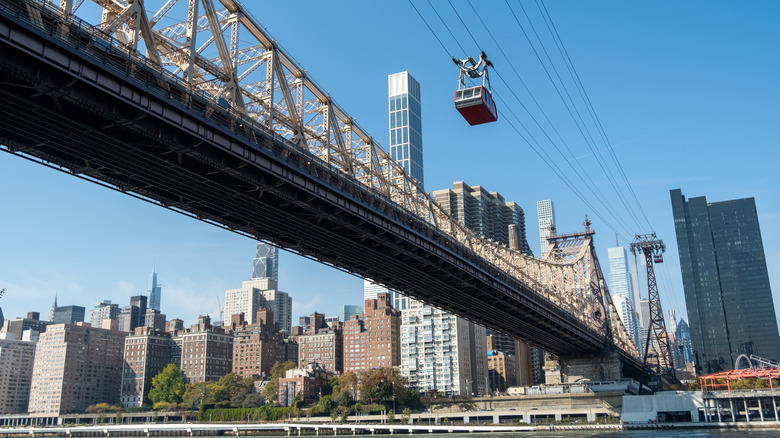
486 213
726 281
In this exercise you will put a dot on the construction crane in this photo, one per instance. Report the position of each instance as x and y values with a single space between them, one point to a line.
219 303
653 248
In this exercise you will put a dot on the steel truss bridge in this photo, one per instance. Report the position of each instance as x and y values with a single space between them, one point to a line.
211 118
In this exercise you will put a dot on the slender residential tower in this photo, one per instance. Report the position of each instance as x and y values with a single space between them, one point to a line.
546 213
406 148
406 145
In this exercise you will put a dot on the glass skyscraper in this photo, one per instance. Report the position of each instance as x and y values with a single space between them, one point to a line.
266 262
727 291
406 123
405 116
546 213
155 292
622 292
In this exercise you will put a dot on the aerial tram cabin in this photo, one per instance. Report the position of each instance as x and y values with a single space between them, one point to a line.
476 103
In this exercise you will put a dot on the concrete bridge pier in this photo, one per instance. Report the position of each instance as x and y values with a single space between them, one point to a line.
578 368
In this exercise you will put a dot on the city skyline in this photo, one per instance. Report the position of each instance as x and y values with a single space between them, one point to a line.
98 244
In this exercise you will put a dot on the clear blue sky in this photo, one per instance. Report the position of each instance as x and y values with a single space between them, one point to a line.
687 93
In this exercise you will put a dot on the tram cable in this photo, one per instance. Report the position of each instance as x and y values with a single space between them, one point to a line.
594 115
570 105
540 151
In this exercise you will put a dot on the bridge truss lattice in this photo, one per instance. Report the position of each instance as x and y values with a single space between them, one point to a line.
226 56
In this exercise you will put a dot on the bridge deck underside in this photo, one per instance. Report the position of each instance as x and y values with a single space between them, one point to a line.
69 107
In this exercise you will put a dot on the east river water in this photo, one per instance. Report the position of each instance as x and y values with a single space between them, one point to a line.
654 433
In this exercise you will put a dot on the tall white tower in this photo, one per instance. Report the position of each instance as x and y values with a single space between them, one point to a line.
405 118
406 148
546 213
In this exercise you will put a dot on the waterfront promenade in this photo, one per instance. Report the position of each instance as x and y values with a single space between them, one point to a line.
290 429
315 429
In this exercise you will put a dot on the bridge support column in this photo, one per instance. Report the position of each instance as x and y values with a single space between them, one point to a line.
594 367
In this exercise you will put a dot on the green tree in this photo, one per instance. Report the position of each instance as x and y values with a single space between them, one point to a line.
253 400
390 416
271 390
342 398
406 415
168 386
196 394
325 404
376 385
349 383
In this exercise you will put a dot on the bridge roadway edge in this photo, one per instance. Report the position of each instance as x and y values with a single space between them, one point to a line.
169 154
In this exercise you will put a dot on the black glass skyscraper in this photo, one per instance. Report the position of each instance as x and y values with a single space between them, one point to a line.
726 282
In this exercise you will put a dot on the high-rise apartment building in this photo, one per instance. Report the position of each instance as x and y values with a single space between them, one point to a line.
103 310
372 290
16 367
257 347
322 345
621 287
371 339
522 358
76 366
726 282
154 292
502 369
266 263
206 351
486 213
147 352
489 215
154 319
441 351
406 146
546 213
256 294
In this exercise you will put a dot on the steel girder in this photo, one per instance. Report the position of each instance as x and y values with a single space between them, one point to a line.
311 131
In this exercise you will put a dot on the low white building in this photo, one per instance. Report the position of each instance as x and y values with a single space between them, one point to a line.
663 407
